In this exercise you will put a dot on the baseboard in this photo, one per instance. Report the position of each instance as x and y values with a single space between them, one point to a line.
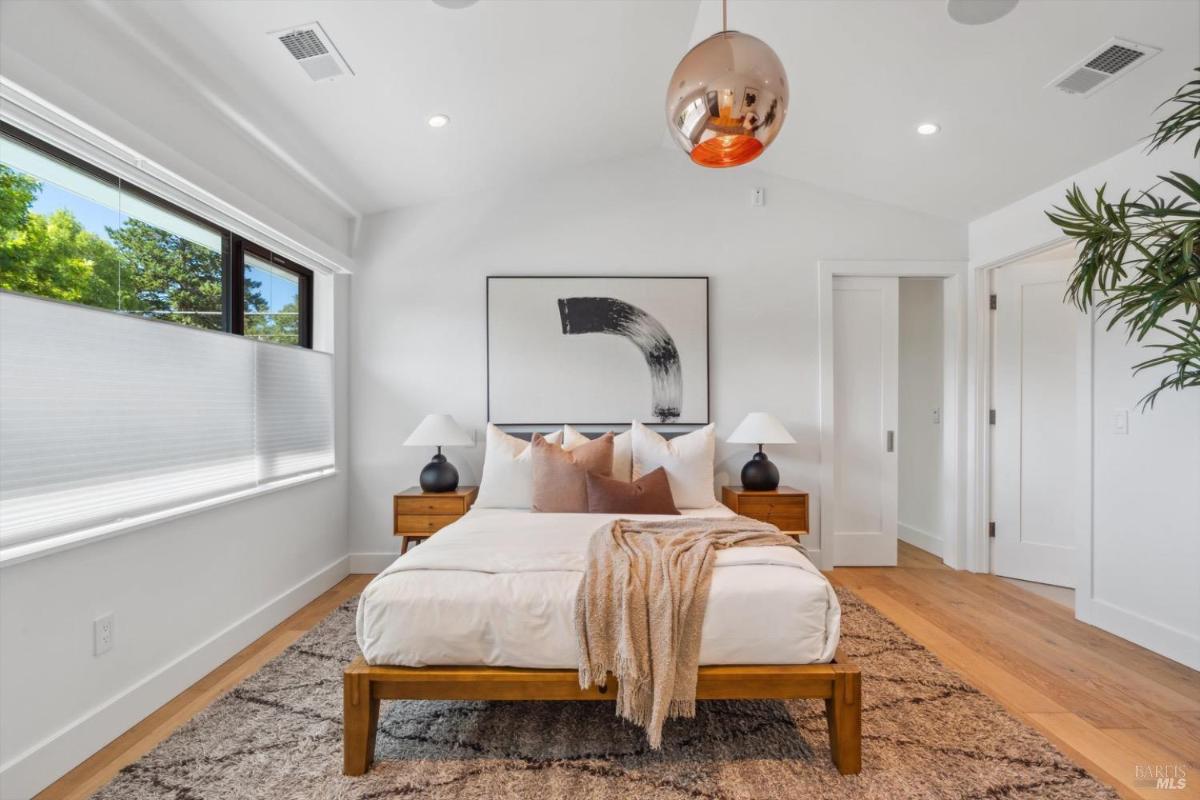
919 538
371 563
1171 642
50 759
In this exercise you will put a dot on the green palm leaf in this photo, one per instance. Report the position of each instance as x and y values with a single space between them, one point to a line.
1138 257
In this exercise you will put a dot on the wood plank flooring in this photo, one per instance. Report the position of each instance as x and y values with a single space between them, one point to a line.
127 748
1109 704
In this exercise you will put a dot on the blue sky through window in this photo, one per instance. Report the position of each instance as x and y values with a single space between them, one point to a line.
94 217
278 288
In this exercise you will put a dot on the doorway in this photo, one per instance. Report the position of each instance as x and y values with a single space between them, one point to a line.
1038 342
888 352
919 510
873 378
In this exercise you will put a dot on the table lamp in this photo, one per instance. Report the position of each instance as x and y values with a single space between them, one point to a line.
438 430
759 474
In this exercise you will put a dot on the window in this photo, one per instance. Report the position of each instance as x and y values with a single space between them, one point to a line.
144 425
71 232
107 422
275 294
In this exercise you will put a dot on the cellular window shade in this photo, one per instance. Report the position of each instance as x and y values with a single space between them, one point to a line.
105 417
293 411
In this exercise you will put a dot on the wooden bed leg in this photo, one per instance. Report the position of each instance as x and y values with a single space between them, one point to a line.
844 714
360 719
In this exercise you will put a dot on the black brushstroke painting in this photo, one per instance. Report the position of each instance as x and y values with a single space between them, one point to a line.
609 315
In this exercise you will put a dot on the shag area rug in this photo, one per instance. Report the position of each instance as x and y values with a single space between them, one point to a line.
926 734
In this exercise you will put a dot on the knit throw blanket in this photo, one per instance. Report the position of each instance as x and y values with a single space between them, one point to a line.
640 608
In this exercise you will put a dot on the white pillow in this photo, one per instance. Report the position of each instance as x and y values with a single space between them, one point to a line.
507 480
687 459
622 451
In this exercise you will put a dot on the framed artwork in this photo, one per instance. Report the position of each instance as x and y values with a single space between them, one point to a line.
597 350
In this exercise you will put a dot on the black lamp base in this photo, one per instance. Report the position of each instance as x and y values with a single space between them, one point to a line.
759 474
439 475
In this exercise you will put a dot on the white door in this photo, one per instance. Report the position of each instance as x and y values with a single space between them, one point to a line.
865 412
1034 433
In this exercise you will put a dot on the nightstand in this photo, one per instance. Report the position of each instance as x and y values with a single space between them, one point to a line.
419 515
785 507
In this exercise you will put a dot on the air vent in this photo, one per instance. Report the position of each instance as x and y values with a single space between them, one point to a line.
311 47
1115 58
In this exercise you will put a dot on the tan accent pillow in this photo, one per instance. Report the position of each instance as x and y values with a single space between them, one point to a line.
560 476
649 494
622 450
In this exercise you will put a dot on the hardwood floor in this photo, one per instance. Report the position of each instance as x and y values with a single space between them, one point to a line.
98 770
1109 704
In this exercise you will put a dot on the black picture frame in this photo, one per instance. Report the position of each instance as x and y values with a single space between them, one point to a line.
618 423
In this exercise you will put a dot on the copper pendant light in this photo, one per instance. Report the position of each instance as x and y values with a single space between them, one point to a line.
727 98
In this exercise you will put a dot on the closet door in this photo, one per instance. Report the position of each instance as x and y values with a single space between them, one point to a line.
1034 435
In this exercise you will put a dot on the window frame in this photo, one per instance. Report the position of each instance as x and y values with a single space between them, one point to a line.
233 246
303 274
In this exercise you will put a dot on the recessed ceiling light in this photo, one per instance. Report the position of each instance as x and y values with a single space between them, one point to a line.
925 128
439 121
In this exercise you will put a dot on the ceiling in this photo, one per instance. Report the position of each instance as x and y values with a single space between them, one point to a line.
534 87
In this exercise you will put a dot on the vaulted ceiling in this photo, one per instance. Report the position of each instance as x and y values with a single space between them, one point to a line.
532 87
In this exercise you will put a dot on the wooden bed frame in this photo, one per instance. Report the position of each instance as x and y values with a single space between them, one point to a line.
838 684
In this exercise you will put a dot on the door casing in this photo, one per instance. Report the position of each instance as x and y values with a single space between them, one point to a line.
954 349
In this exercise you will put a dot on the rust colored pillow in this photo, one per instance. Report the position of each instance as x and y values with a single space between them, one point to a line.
560 476
649 494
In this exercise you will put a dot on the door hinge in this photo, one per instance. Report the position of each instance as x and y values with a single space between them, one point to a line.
991 416
992 302
991 530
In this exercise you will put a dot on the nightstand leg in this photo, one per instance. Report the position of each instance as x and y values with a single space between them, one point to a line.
403 545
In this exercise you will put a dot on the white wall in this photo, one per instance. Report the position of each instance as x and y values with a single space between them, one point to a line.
190 592
186 594
73 55
920 437
418 327
1140 571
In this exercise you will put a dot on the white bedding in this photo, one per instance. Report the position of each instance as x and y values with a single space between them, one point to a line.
497 588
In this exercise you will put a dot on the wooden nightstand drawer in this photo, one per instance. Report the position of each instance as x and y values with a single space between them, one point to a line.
786 522
430 504
785 508
760 506
418 515
423 523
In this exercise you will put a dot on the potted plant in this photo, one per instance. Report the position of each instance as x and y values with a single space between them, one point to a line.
1138 257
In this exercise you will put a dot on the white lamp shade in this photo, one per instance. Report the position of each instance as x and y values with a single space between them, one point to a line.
438 430
760 427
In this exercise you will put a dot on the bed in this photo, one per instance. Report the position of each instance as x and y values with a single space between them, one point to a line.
484 611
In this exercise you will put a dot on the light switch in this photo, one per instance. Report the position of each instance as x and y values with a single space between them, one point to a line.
1121 422
937 416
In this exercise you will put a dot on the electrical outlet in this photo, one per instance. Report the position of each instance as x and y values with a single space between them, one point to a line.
937 416
1121 422
759 198
102 634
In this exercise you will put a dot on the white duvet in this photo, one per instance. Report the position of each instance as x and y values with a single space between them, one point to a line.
497 588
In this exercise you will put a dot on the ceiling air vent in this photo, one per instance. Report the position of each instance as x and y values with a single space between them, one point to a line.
1105 65
311 47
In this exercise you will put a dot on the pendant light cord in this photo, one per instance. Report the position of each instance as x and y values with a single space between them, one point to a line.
724 16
